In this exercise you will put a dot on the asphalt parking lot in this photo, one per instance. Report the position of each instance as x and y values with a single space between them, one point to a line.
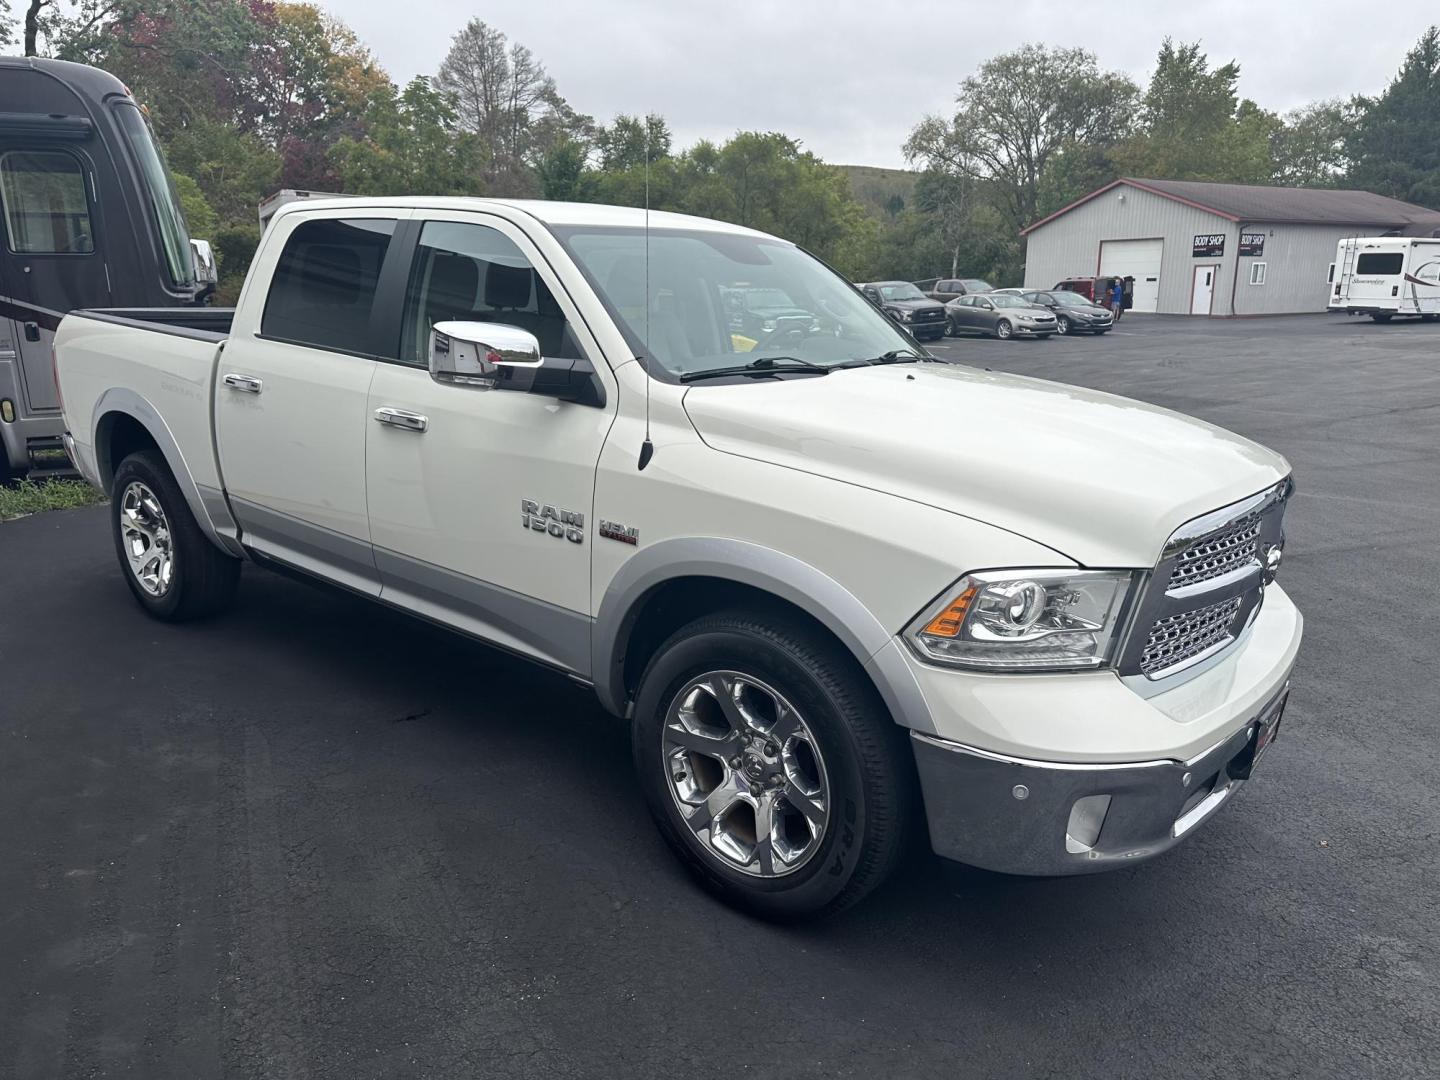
315 838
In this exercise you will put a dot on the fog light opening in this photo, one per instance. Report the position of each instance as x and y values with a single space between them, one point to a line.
1087 817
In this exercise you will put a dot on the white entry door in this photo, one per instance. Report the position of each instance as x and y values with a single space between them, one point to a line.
1202 291
1138 259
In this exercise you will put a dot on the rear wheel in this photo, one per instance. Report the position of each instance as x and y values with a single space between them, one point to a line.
770 765
1382 316
1003 329
172 569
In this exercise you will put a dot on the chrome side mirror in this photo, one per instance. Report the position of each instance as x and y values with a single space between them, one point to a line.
203 257
478 354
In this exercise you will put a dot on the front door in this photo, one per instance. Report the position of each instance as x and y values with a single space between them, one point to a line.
294 383
50 262
1202 290
481 503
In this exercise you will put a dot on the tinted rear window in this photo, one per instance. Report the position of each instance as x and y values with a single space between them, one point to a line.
1380 262
324 285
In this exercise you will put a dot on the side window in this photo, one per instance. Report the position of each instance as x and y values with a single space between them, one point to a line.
324 285
46 212
473 273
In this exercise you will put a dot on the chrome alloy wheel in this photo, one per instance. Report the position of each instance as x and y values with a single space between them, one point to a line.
145 532
746 774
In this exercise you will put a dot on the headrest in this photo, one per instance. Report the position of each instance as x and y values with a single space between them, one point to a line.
507 286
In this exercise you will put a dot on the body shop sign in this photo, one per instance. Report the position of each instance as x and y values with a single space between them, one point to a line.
1252 244
1208 245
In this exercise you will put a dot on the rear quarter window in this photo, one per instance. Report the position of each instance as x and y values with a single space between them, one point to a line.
323 290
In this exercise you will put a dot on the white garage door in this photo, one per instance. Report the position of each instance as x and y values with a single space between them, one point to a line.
1139 259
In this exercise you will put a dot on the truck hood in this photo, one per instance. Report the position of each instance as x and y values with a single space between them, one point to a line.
1101 479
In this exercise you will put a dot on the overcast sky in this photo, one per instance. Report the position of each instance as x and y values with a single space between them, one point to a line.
849 78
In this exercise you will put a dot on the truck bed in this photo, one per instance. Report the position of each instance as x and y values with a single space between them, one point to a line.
210 324
157 364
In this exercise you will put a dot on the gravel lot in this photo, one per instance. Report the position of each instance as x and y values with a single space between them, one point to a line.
319 839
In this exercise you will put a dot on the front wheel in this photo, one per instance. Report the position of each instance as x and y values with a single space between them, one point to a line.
770 765
173 570
1064 326
1003 329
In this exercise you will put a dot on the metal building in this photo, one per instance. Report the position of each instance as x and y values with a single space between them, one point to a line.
1200 248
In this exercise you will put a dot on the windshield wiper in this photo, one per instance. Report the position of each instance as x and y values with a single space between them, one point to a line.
765 365
894 356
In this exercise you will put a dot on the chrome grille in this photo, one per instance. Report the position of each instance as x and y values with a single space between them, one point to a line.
1217 555
1180 637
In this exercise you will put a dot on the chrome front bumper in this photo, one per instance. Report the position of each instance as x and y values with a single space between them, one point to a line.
1033 817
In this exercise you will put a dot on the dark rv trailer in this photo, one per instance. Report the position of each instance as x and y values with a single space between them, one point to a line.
90 219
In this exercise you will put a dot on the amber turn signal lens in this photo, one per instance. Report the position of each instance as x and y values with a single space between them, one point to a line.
949 621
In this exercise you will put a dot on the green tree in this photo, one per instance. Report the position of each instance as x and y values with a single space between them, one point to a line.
1019 112
1193 126
562 172
199 217
628 140
1309 148
410 146
1394 145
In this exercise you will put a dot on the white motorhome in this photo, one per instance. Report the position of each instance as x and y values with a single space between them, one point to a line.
1385 276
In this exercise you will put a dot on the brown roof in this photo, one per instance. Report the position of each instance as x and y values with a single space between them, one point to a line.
1256 204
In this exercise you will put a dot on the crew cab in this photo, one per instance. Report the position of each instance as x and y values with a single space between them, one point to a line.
818 574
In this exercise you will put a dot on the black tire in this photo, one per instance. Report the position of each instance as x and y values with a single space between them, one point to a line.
1004 330
871 787
950 330
1429 318
202 579
1063 326
1382 316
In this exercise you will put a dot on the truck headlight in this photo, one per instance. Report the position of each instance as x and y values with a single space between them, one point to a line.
1026 620
904 315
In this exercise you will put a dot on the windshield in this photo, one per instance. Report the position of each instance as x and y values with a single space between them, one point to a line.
164 206
901 291
975 285
683 318
1007 300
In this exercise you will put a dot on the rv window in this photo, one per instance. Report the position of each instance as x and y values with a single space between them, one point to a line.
164 206
324 285
46 212
1382 263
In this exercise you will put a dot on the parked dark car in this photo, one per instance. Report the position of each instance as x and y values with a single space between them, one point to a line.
947 289
1074 314
1000 314
908 306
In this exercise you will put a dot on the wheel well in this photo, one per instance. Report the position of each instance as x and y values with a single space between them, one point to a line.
117 436
674 603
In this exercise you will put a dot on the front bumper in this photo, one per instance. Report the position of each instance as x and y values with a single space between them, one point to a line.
1041 818
1041 330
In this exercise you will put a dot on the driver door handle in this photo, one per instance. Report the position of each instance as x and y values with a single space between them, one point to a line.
247 384
410 421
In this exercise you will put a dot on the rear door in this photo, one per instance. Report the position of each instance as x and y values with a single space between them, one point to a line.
51 262
291 401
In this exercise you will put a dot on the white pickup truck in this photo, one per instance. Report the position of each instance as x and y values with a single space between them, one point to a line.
832 583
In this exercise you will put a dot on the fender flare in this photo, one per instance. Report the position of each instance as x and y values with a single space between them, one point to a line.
784 576
211 510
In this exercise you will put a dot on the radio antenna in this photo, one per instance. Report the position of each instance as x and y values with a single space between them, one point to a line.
647 448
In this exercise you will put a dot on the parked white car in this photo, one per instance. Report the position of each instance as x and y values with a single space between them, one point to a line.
819 574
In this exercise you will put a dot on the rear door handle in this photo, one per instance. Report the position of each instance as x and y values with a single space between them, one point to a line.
246 384
410 421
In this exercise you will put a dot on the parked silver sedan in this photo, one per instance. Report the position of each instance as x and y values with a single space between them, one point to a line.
1000 314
